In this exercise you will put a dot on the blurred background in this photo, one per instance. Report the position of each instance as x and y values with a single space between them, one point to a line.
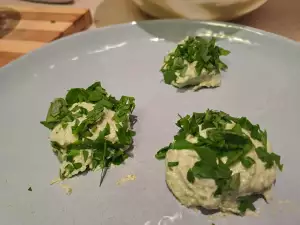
28 24
274 15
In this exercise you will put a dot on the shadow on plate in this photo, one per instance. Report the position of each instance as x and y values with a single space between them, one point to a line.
190 88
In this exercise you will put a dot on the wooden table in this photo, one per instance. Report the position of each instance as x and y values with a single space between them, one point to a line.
277 16
26 28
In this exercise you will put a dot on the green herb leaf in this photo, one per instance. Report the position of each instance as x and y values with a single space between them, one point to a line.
265 156
246 202
100 153
30 189
55 145
57 111
224 52
104 103
85 155
247 162
73 152
169 76
91 118
161 154
96 92
237 129
276 159
256 132
216 143
76 95
235 181
193 49
182 144
172 164
190 176
77 165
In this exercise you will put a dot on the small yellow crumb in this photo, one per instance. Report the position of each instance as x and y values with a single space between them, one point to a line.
67 189
129 177
55 181
255 213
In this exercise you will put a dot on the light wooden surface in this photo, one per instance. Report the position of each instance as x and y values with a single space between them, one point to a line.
25 28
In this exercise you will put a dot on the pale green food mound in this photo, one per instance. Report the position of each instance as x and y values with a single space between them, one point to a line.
90 129
219 162
194 62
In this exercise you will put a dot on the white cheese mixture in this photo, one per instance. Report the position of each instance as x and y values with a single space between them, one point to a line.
189 77
64 136
194 62
256 179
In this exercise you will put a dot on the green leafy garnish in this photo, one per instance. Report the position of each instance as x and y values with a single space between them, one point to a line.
86 153
172 164
247 162
193 49
57 112
268 158
227 141
246 202
190 176
161 154
30 189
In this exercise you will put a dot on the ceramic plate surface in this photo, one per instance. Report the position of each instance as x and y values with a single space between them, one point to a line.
262 83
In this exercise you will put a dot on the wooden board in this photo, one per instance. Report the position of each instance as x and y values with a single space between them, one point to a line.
23 29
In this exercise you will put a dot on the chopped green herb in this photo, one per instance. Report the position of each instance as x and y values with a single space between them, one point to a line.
268 158
190 176
89 151
30 189
76 95
57 111
85 155
172 164
246 202
161 154
227 141
197 50
77 165
247 162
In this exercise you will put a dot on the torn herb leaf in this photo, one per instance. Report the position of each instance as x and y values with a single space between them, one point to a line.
222 149
161 154
172 164
93 127
246 202
193 58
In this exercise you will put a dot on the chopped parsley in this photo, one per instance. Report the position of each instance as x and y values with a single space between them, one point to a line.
172 164
91 153
202 53
246 202
226 143
29 189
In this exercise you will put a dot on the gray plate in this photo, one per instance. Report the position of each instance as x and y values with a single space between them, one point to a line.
262 83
